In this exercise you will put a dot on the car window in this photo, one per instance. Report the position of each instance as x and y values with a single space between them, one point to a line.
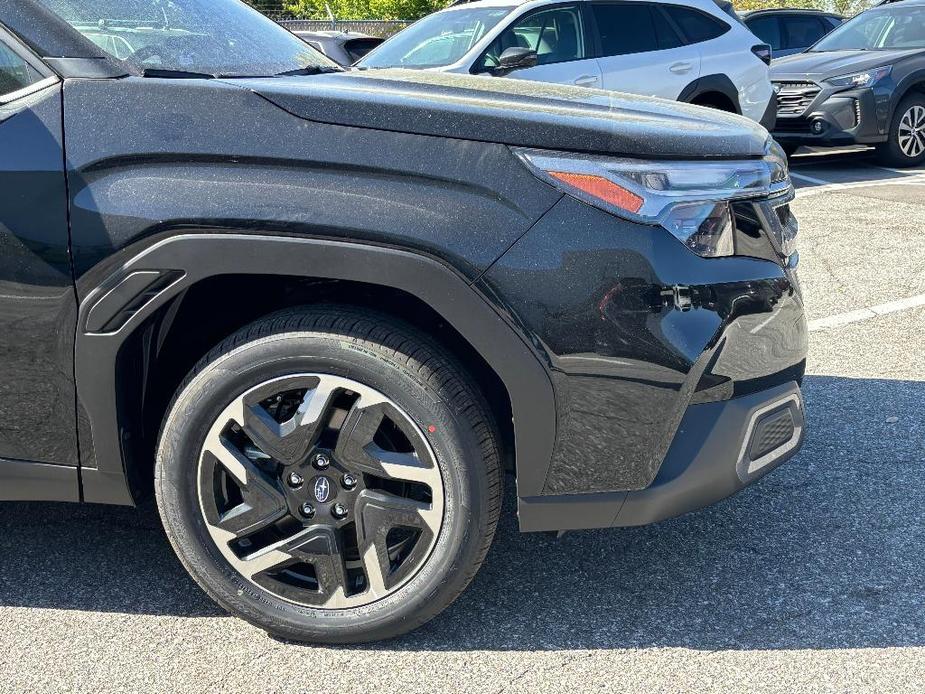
665 33
800 32
15 73
768 30
439 39
357 48
892 26
213 37
625 28
696 26
557 36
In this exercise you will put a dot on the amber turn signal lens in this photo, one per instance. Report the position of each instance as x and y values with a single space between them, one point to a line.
602 189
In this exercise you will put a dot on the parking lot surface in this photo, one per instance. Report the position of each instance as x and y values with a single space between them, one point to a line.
811 580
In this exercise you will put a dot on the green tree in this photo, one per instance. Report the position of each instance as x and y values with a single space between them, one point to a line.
843 7
748 5
363 9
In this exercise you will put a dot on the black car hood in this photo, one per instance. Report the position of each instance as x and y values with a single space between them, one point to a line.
513 112
826 64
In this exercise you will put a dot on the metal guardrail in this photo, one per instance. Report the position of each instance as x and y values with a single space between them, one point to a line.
373 27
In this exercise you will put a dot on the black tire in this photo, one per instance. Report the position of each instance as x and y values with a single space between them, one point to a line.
892 151
399 362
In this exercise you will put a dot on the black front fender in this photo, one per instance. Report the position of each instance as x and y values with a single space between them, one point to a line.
155 275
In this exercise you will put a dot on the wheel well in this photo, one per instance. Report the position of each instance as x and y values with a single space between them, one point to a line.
715 100
159 354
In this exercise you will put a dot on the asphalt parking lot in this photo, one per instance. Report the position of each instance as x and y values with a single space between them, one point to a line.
811 580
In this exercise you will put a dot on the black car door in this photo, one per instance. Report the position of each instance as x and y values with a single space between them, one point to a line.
37 301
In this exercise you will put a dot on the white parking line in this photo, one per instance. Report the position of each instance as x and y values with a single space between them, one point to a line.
810 179
914 180
904 172
841 319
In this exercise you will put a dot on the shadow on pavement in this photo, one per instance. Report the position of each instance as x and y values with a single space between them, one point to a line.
824 553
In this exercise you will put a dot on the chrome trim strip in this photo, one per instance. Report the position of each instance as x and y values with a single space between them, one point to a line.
28 91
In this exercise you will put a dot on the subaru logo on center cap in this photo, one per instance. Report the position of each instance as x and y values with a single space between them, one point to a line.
322 489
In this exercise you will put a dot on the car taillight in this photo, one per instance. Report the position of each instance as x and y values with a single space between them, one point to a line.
763 51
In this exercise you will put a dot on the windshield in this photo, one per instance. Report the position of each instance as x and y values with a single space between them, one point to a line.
893 27
214 37
437 40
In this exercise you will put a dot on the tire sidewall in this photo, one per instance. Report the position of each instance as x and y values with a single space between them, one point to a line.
454 444
894 152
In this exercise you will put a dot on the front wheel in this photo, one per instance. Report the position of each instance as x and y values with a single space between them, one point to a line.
906 144
330 475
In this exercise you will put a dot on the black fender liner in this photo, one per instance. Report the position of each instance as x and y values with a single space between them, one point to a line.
706 84
154 276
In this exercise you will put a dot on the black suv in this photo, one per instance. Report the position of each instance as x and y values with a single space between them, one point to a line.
862 84
320 313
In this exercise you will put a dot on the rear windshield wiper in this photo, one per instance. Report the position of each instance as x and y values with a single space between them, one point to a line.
176 74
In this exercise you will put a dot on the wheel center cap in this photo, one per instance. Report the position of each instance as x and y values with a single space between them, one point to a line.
322 489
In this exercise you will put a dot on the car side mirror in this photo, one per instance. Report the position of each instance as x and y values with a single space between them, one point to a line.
515 58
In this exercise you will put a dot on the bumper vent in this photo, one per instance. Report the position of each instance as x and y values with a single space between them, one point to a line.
793 98
774 431
771 433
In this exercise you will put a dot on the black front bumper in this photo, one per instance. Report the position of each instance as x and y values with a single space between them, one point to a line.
720 448
836 118
642 338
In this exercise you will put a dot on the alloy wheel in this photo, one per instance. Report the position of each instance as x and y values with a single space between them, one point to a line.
321 491
911 133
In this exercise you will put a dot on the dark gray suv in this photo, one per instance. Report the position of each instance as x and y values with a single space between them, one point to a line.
862 84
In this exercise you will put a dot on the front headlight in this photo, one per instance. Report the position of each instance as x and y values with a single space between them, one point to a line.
858 80
691 199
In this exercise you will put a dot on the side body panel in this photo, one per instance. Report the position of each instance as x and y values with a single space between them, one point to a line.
146 156
731 55
662 73
583 73
37 305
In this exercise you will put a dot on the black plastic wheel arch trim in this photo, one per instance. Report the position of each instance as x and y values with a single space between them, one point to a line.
707 84
128 296
445 291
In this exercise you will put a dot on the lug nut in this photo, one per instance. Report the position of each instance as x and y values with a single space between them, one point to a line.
307 510
322 462
295 480
339 511
349 481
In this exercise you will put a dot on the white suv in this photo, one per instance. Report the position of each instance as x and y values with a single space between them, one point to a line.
693 52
